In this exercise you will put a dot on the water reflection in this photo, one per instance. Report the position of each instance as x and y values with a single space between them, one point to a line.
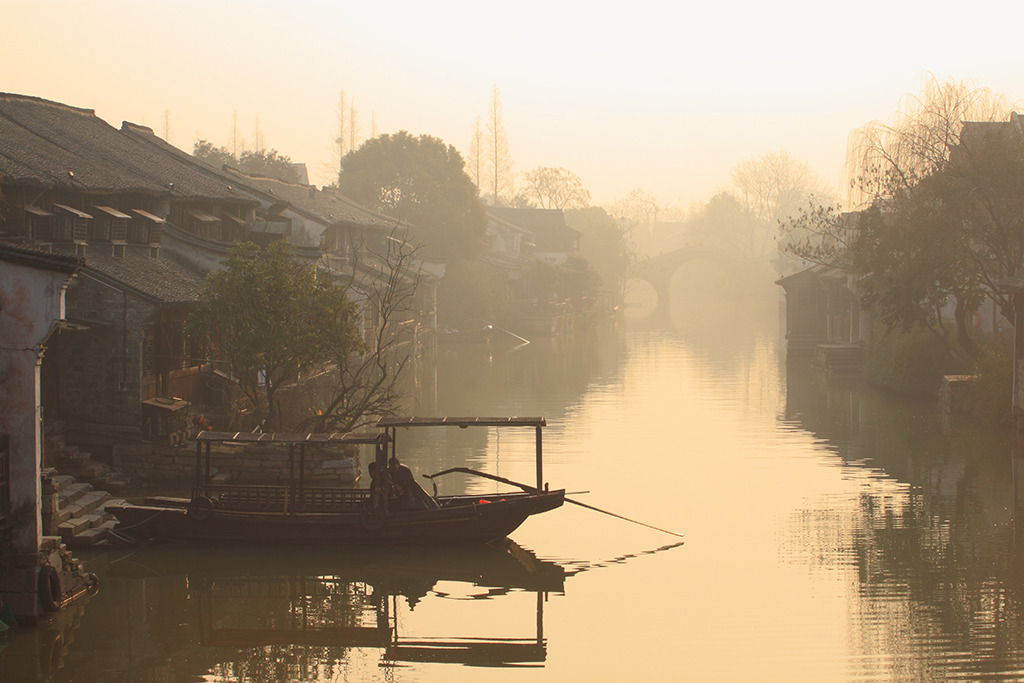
39 653
249 614
932 532
833 533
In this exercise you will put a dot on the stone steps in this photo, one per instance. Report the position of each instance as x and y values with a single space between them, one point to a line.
69 494
79 517
81 505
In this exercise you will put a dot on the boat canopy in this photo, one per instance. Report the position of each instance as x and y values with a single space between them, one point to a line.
284 438
381 439
391 424
461 422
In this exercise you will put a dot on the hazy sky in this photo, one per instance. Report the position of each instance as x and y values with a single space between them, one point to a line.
667 97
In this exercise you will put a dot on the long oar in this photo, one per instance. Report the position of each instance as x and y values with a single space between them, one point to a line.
533 489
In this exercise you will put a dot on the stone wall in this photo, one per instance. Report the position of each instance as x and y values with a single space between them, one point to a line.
249 464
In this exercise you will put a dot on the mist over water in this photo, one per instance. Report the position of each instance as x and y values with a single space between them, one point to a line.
831 533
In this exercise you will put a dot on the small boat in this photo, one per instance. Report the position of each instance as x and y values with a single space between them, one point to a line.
294 512
472 335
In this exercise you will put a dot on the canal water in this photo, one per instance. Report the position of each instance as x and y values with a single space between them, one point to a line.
830 534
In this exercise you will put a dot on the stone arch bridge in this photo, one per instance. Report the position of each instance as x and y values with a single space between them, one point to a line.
659 270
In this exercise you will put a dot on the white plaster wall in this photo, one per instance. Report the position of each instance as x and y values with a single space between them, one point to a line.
31 303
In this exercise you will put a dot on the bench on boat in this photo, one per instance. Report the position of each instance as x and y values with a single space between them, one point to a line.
278 498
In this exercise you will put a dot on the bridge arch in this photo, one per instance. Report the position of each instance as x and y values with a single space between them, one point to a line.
660 270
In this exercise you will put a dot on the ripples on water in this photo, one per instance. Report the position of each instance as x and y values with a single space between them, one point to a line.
832 534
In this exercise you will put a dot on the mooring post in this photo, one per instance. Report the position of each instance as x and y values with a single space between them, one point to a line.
199 467
540 461
206 482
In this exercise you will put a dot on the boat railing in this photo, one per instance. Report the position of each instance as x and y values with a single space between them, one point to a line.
284 498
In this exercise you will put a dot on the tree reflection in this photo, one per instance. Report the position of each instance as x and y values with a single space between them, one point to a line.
933 539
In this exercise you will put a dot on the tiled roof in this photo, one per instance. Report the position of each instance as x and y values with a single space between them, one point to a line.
325 206
550 222
55 145
62 263
159 279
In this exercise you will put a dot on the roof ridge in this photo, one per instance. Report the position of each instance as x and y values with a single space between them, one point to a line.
258 176
39 100
137 127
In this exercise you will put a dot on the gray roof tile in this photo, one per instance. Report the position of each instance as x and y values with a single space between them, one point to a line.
55 145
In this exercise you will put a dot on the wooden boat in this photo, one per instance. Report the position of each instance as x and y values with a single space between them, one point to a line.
294 512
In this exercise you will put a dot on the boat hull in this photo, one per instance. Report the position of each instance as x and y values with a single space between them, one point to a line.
476 520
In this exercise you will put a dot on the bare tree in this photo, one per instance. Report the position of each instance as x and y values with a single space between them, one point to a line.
554 188
353 125
475 155
637 209
258 140
884 159
771 188
339 138
369 384
498 155
236 141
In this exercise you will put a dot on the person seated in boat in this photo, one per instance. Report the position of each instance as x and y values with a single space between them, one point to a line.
372 467
406 494
377 490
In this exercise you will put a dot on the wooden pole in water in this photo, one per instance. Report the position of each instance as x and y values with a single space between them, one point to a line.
206 482
606 512
302 474
540 461
530 489
199 467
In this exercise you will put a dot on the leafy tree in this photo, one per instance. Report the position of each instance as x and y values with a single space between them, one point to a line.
471 290
267 316
946 222
420 180
268 164
605 245
723 222
253 162
214 156
554 188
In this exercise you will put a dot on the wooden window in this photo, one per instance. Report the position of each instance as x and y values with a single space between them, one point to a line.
39 224
119 230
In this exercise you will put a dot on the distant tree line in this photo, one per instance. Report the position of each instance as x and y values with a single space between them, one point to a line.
261 162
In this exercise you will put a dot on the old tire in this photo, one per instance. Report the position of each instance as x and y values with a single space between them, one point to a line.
200 508
50 588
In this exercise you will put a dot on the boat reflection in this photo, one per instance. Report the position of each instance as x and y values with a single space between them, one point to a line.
321 606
